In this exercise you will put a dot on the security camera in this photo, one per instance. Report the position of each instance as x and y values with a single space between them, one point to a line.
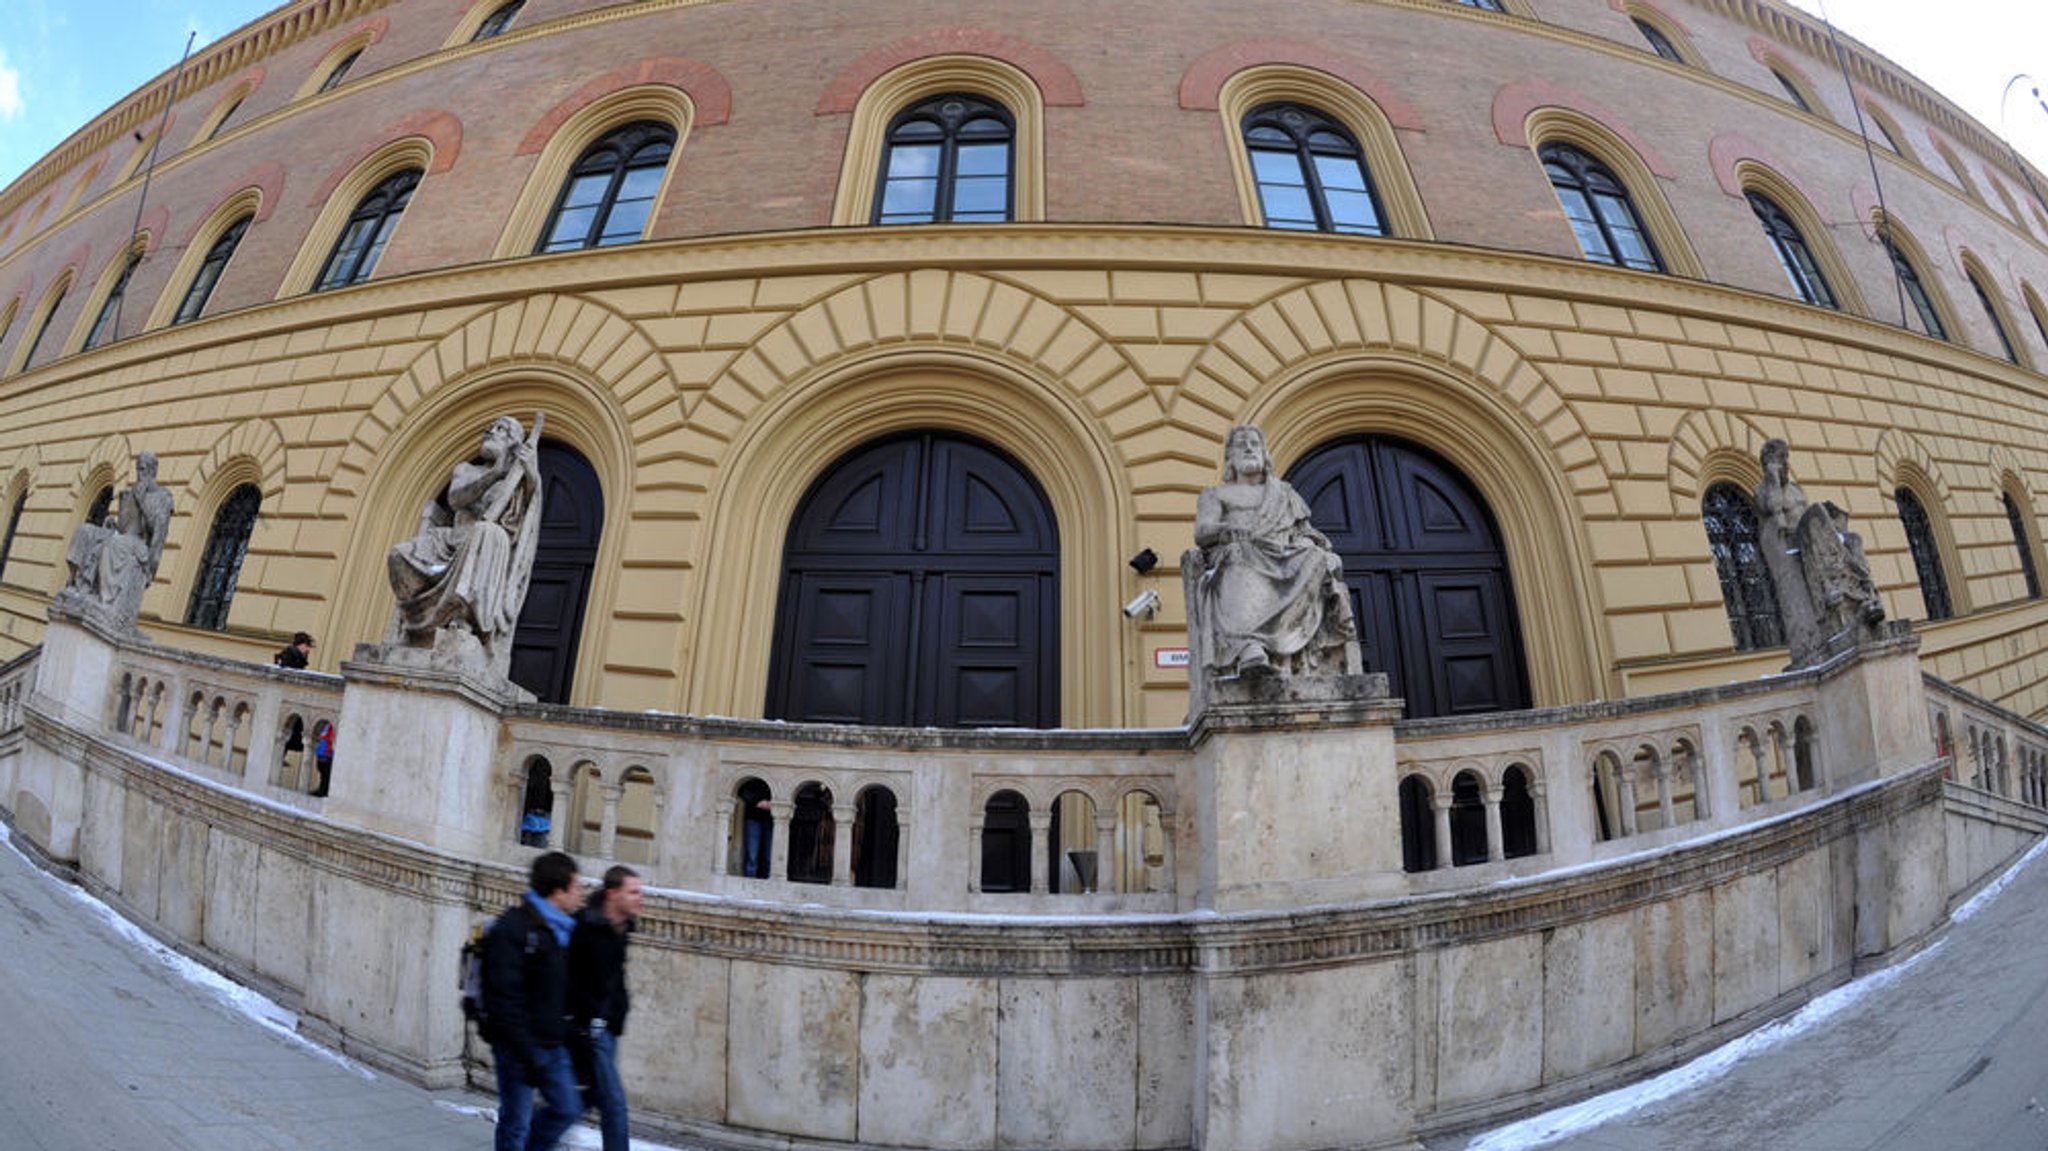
1142 605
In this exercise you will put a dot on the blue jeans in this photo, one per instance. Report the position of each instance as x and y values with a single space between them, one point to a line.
606 1093
754 859
519 1129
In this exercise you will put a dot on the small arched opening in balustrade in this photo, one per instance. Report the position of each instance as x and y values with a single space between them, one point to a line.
633 834
1006 843
1517 813
876 837
1070 865
751 839
1749 758
810 835
291 753
323 756
237 738
1689 801
536 817
1140 844
1468 820
1607 798
198 728
1803 769
586 810
1418 824
1944 744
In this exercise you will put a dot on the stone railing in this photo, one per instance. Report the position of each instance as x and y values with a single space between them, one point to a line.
17 676
1989 748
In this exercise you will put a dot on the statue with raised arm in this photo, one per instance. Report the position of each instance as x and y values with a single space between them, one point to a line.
466 570
1266 593
112 563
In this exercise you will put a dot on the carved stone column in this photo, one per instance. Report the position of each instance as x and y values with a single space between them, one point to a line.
559 791
721 858
1495 849
778 855
974 856
903 852
1041 825
1105 847
1440 803
608 825
842 844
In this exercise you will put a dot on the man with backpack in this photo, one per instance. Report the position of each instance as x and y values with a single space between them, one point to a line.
526 1007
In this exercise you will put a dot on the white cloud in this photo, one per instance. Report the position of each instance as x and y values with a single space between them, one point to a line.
10 89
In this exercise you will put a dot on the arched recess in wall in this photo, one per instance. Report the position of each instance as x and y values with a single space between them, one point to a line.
1904 461
402 456
985 76
1369 125
792 436
1393 361
33 342
252 452
660 103
1616 148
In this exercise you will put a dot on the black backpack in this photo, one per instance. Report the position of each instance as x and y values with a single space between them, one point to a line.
470 976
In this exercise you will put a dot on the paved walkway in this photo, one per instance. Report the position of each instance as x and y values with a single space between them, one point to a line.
108 1044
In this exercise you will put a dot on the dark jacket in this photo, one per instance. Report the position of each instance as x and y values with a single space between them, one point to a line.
597 970
526 983
290 657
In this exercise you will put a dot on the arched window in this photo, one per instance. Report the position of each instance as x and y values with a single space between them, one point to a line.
1802 754
1926 556
368 229
948 159
1468 820
1658 41
2005 344
633 832
753 830
215 128
1418 825
13 525
1310 172
101 505
335 77
610 190
875 838
1916 292
1070 845
1517 813
1746 588
499 20
537 803
216 262
2019 540
1599 209
810 835
49 313
1006 843
1483 5
1140 844
109 318
221 564
1793 254
1792 92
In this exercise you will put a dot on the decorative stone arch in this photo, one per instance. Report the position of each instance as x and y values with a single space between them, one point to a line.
1672 28
1888 126
10 310
1619 148
347 187
1366 357
138 247
1710 446
42 315
252 452
78 187
17 481
1017 90
1371 123
2035 309
1904 461
1989 172
1977 273
672 90
873 359
1792 75
1916 254
1957 170
362 36
472 19
209 124
256 201
1743 166
435 413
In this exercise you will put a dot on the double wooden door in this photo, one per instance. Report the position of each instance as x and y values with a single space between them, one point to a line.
1428 577
920 587
550 624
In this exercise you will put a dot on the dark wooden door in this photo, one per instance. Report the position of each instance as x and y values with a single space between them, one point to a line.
1428 578
920 587
551 623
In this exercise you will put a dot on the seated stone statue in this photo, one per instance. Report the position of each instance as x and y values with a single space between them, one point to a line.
1270 593
112 563
1827 600
466 571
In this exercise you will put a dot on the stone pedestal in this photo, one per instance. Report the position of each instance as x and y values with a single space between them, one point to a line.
75 684
1287 775
1873 711
416 747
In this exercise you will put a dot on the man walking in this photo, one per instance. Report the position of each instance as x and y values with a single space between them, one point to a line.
526 1007
597 993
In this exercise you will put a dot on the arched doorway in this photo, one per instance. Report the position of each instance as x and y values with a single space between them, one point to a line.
1428 577
551 624
920 587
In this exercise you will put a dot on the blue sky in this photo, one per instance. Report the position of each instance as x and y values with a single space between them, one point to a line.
62 62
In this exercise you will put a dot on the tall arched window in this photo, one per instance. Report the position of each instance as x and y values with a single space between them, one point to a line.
1916 292
220 566
2020 541
216 262
876 837
1792 92
1658 41
948 159
1746 588
610 190
499 20
35 342
1468 821
1793 254
1926 556
340 71
1596 203
1310 172
101 505
368 229
1006 843
1517 813
2005 344
13 525
811 833
109 318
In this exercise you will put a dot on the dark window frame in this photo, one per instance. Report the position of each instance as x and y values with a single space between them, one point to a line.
1658 41
2005 342
1795 255
362 239
220 565
1748 592
339 72
1792 92
1916 291
948 122
2018 523
618 156
1599 194
207 278
1926 554
110 308
500 19
35 343
1307 136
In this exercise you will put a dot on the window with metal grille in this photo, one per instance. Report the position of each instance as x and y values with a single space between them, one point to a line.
1599 209
2020 541
220 566
610 190
1793 254
216 262
948 159
1310 173
1746 588
368 229
1926 556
